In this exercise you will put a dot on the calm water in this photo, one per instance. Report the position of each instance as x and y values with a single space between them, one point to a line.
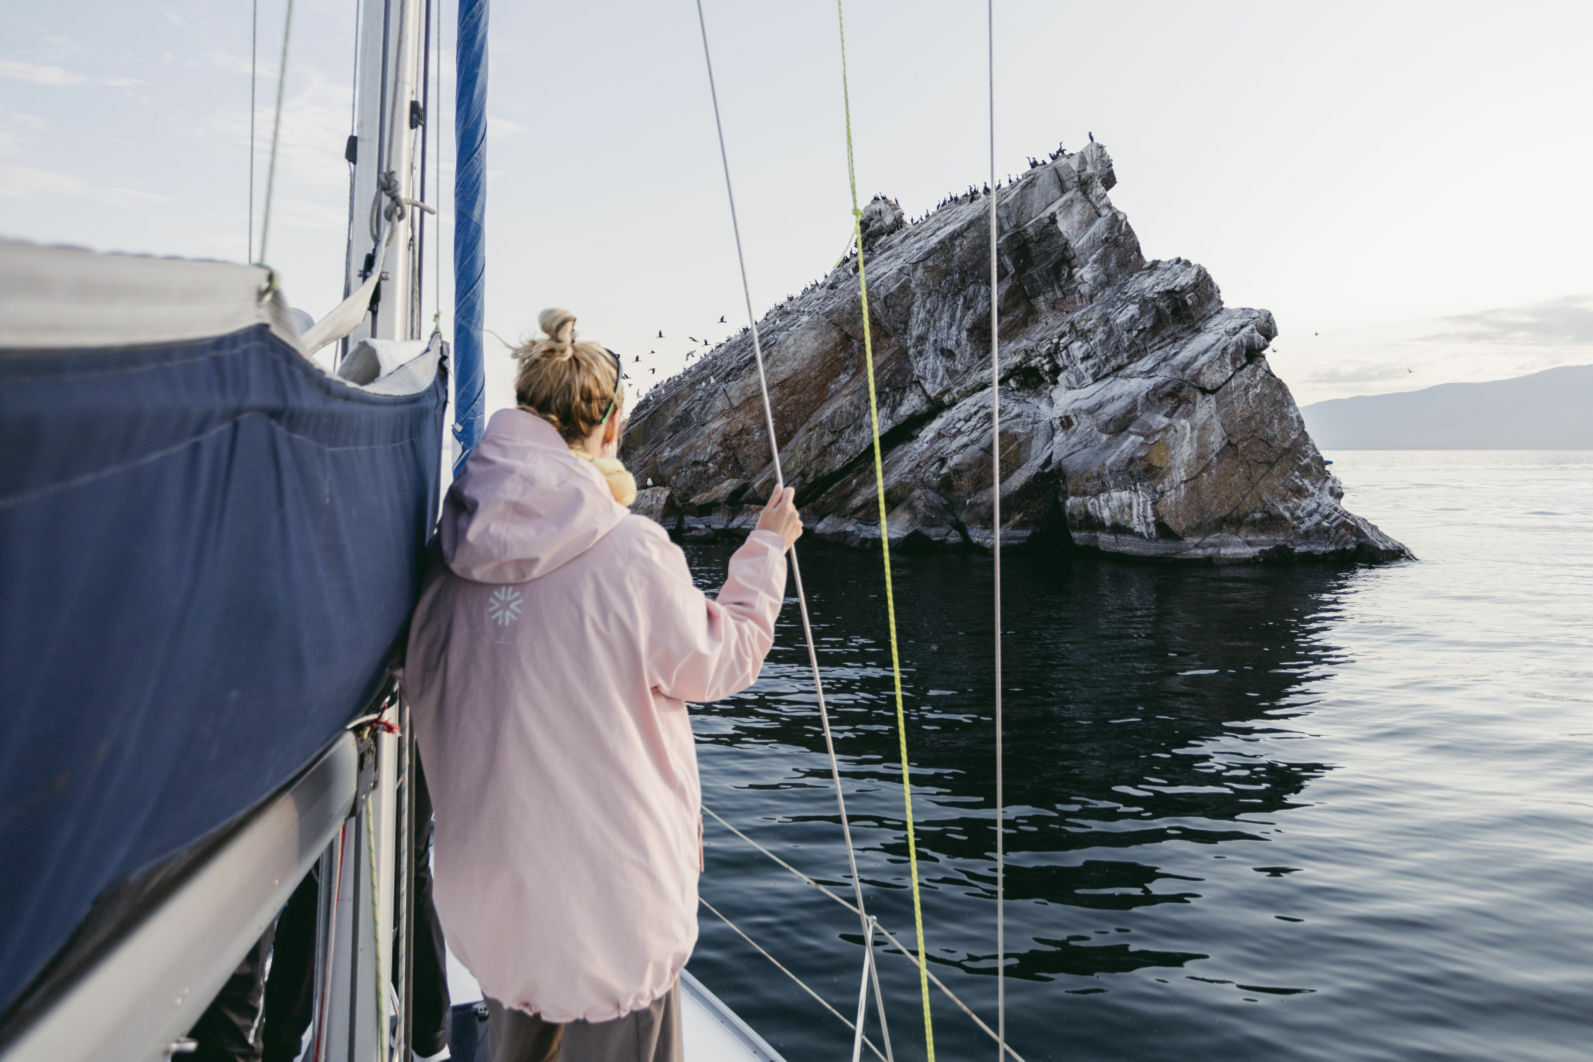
1303 812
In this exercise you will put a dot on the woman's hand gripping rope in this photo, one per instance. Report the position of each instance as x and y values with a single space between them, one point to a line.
781 516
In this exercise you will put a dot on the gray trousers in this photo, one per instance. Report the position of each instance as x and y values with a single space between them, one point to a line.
651 1034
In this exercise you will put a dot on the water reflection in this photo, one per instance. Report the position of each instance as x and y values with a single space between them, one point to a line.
1144 707
1131 694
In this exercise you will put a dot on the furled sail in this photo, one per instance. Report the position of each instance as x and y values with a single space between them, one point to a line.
209 548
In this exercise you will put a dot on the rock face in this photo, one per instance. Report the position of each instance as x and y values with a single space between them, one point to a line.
1138 414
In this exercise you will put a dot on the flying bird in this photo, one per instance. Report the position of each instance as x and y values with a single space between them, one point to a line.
694 339
652 372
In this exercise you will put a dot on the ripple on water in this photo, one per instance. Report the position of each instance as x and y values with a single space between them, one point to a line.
1296 811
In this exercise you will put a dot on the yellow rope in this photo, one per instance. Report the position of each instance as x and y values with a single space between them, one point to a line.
885 546
376 933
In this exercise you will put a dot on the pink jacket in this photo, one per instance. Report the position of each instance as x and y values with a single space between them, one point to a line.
549 661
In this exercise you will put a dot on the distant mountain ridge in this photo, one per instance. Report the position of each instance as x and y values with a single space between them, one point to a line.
1549 410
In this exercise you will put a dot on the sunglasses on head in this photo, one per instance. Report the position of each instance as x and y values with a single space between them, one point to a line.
619 376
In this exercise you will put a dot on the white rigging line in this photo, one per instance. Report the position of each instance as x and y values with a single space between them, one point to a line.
995 494
778 965
890 937
796 569
276 130
862 992
354 91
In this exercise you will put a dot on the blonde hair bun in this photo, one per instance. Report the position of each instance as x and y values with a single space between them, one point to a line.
559 326
572 385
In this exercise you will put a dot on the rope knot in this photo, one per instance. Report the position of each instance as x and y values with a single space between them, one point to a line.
388 186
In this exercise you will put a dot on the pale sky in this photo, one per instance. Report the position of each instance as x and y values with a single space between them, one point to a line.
1404 184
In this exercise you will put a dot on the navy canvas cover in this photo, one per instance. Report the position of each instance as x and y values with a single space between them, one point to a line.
208 554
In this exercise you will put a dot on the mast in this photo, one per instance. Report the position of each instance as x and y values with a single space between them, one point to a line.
389 121
357 932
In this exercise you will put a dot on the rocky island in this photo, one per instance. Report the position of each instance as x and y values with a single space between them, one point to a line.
1138 414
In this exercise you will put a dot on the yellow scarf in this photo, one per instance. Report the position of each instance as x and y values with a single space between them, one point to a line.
620 482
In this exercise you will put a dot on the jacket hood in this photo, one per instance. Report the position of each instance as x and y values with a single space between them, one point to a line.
523 505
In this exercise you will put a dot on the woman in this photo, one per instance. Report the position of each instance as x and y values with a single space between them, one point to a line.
550 657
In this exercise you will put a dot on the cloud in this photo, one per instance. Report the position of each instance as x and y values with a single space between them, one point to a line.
22 182
311 215
314 131
499 127
233 63
1558 322
44 74
1491 344
500 46
38 73
63 46
176 18
1357 374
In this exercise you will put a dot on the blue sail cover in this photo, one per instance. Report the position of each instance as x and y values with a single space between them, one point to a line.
209 548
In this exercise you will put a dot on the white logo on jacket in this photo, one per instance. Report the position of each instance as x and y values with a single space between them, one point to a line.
503 608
